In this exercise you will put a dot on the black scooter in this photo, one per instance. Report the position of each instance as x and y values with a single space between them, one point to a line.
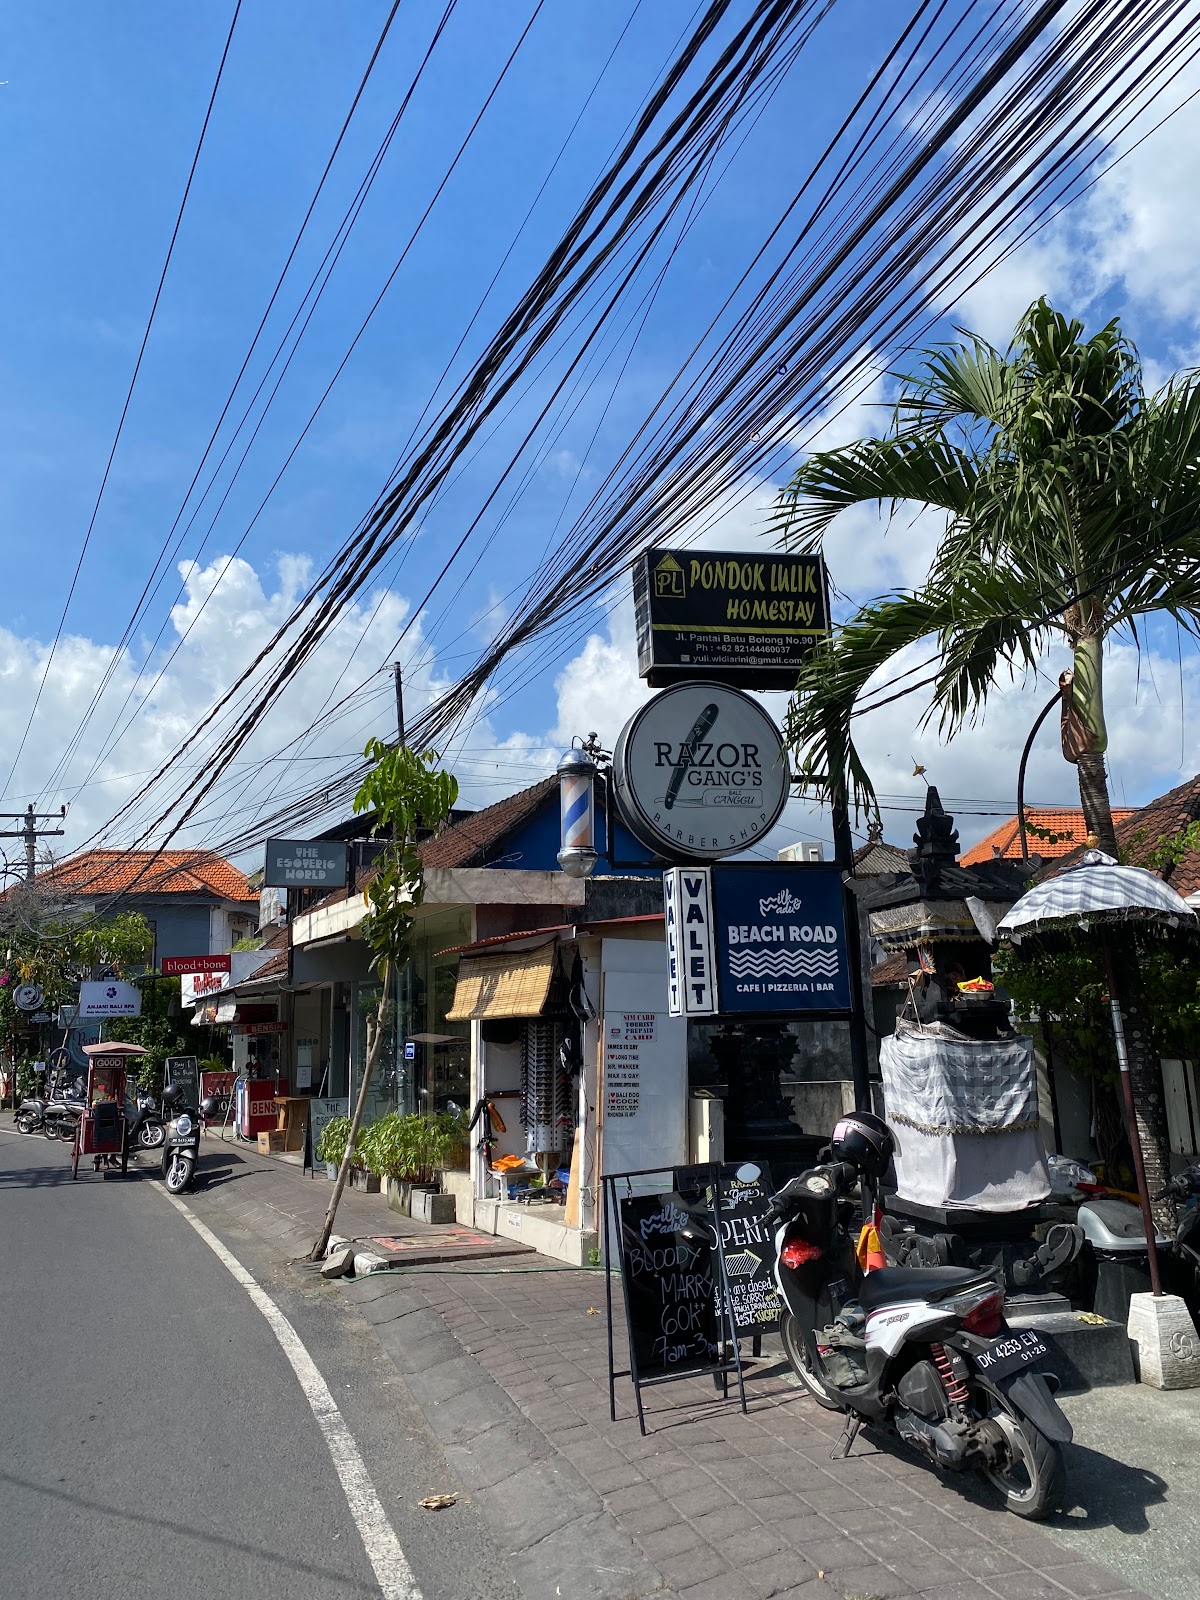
923 1353
143 1124
181 1147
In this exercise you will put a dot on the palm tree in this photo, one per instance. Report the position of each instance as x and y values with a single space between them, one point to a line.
1072 507
1072 504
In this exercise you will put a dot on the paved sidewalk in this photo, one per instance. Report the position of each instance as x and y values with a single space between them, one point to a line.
279 1199
508 1362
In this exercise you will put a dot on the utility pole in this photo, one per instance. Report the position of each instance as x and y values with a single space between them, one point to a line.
399 675
30 832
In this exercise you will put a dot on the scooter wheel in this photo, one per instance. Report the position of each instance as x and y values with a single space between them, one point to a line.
797 1354
151 1136
27 1123
179 1174
49 1131
1033 1478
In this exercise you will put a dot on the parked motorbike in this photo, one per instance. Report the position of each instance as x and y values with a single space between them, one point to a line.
145 1129
181 1146
923 1353
61 1116
31 1113
1183 1257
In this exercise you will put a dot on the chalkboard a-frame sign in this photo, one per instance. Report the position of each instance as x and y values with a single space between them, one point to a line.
673 1282
748 1238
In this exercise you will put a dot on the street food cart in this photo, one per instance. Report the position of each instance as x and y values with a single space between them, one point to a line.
102 1131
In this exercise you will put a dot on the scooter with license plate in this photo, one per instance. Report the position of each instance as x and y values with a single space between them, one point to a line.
181 1147
921 1353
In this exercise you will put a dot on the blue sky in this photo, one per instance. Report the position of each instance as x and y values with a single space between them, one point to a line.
98 121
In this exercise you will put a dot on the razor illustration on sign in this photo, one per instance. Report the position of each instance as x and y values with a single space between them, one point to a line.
687 753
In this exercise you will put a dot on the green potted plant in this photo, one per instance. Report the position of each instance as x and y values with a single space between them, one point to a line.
331 1146
364 1174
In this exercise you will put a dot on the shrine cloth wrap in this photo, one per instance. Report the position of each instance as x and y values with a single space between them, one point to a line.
965 1115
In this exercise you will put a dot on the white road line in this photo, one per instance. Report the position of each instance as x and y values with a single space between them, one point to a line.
395 1576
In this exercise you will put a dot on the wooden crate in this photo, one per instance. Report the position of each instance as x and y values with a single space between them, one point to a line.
271 1143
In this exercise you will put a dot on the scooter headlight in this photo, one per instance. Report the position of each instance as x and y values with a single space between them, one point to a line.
183 1125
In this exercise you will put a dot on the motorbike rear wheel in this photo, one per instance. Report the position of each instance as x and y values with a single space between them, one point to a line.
49 1130
26 1121
1033 1480
797 1354
179 1173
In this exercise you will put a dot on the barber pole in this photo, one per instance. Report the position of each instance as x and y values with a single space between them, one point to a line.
577 795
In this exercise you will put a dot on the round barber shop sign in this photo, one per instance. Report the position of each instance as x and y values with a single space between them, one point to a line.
700 772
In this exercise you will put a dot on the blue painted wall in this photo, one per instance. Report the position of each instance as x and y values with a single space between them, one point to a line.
533 847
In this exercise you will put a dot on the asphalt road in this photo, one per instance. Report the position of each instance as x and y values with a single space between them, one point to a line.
156 1440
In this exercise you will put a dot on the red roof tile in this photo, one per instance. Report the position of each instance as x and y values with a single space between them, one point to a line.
1067 827
1140 833
182 872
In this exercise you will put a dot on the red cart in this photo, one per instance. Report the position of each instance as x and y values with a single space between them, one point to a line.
102 1132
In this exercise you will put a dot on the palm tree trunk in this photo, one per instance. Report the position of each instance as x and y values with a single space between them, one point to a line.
374 1044
1145 1077
1093 797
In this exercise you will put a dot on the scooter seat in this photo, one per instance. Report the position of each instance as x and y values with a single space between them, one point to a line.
888 1285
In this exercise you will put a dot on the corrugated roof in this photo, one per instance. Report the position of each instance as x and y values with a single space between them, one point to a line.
182 872
1065 825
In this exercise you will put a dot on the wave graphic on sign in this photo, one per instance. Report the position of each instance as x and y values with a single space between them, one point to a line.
783 963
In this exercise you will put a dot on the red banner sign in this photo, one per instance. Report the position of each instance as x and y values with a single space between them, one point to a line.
252 1028
177 966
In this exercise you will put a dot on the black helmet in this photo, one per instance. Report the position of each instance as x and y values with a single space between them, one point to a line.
866 1142
172 1096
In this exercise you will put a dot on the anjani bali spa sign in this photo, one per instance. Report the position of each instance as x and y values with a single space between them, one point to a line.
700 772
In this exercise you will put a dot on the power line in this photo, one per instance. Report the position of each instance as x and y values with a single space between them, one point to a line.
137 367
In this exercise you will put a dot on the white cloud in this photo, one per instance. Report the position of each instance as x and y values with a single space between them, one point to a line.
218 627
1135 235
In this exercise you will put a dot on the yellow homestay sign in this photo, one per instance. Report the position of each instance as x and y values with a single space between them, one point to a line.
741 618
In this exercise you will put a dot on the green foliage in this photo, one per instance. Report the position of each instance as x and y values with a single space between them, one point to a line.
39 945
408 795
1068 990
1066 494
161 1030
331 1146
409 1147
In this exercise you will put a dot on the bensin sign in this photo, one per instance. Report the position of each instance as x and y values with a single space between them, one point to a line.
741 618
780 936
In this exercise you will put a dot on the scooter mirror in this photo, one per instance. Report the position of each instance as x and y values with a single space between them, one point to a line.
748 1173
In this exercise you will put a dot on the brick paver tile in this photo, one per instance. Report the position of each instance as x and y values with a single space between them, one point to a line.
756 1543
716 1527
695 1566
1027 1585
775 1573
1086 1580
670 1541
958 1591
875 1581
651 1516
989 1560
705 1496
925 1572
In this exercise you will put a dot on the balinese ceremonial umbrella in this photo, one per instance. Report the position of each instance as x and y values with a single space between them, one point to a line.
1098 893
